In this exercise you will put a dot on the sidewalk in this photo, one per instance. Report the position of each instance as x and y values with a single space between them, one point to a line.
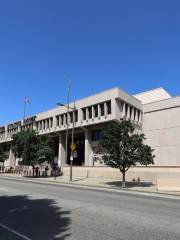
108 184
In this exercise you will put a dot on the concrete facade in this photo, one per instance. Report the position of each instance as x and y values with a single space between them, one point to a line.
155 113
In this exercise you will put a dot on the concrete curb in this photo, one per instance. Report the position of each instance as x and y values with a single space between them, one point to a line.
92 187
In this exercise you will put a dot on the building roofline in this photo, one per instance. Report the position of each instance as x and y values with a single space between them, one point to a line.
153 90
168 99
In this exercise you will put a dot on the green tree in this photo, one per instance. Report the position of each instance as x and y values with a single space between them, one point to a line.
3 155
31 148
124 148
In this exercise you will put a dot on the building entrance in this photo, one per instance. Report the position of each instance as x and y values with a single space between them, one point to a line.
80 144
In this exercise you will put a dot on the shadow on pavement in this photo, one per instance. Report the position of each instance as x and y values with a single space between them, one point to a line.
39 219
130 184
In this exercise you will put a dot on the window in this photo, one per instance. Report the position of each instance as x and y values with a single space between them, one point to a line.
131 111
90 112
62 119
71 117
51 122
108 105
44 124
96 111
96 135
40 125
48 122
126 109
65 117
102 109
84 113
76 115
57 121
135 113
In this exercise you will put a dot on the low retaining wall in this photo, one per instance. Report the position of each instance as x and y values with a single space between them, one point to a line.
145 174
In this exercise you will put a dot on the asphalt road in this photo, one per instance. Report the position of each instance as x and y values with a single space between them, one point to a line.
44 212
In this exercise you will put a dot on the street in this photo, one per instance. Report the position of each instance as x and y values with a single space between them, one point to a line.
45 212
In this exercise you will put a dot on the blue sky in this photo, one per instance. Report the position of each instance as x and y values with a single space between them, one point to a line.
98 44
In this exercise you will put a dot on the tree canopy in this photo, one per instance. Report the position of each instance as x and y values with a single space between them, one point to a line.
31 148
124 148
3 155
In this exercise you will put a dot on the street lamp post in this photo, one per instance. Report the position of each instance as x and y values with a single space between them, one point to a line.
72 137
72 143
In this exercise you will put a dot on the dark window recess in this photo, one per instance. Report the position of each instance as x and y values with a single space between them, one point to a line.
76 115
96 135
135 113
71 117
130 111
108 104
51 122
57 121
65 118
84 113
126 109
96 111
62 119
48 122
102 109
90 112
139 115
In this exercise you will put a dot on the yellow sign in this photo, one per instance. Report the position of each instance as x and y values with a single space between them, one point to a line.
73 147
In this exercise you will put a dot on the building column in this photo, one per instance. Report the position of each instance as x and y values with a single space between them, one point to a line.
88 149
132 114
128 113
99 111
10 162
124 110
62 150
105 109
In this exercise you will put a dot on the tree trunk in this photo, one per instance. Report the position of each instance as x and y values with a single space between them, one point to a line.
33 171
123 179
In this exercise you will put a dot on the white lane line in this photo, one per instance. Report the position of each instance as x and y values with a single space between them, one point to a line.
15 232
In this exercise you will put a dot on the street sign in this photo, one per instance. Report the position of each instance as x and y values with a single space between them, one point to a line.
74 154
73 147
71 158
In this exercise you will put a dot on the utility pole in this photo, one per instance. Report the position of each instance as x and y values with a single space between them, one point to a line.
26 101
72 143
67 122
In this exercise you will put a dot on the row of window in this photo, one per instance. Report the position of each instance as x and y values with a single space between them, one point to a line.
62 119
44 124
131 112
97 110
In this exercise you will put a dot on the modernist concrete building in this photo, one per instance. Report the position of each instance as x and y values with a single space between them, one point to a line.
155 113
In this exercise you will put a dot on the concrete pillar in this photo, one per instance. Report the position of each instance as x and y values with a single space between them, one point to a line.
136 116
88 149
140 117
128 112
124 110
93 115
10 162
99 111
105 109
62 149
132 114
64 120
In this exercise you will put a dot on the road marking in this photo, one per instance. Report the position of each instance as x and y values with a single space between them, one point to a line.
15 232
